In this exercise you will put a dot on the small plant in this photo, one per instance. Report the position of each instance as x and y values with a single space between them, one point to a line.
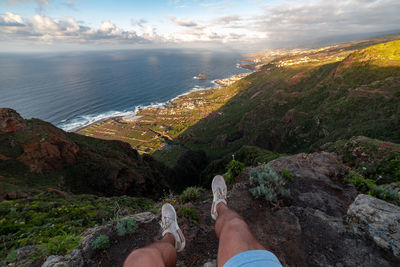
191 194
11 256
234 169
62 244
126 226
101 242
362 184
287 175
190 213
369 186
384 193
268 184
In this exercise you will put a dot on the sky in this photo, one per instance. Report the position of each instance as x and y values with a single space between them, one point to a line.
47 25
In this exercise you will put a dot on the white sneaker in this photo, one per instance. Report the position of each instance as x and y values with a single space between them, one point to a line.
169 224
218 187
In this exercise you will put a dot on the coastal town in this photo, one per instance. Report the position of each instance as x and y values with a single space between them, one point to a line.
153 128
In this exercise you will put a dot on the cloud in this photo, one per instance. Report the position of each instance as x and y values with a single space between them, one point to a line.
181 22
281 23
43 28
304 20
10 19
227 19
139 23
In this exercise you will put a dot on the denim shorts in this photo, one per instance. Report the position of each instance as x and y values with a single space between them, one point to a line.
254 258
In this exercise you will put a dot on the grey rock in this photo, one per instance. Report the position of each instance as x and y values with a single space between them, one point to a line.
74 259
378 221
212 263
144 217
26 256
317 166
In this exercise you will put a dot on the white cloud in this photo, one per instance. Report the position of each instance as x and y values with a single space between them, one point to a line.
287 22
43 28
304 20
181 22
10 19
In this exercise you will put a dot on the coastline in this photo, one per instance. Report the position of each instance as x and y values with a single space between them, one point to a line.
151 127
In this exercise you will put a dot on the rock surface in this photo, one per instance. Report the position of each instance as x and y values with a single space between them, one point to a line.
25 256
376 220
10 120
53 153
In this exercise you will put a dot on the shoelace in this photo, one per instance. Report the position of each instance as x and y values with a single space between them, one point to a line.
166 222
221 194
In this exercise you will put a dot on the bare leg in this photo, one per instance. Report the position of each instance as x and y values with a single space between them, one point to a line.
234 235
159 254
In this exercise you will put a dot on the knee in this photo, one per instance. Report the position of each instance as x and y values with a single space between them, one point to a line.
235 225
143 257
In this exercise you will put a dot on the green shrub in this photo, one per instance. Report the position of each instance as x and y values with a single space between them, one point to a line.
126 226
234 169
101 242
369 186
49 219
384 193
268 184
62 244
191 194
362 184
190 213
11 256
287 175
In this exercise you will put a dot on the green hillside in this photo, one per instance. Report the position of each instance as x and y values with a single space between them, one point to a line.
324 96
35 155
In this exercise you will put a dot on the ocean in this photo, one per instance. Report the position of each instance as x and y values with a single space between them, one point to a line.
74 89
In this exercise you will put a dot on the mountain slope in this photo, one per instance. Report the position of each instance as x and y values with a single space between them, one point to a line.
35 155
301 102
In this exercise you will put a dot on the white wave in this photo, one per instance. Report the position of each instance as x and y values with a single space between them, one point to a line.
196 78
85 120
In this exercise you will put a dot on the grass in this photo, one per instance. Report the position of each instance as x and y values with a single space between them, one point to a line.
192 214
370 187
56 222
191 194
374 159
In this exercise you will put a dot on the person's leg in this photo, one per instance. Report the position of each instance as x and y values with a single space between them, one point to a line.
234 235
163 252
237 245
159 254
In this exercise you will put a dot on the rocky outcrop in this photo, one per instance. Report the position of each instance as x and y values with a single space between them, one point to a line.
10 120
26 256
310 229
378 221
201 76
49 154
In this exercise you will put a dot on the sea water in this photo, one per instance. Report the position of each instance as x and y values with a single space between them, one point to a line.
74 89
